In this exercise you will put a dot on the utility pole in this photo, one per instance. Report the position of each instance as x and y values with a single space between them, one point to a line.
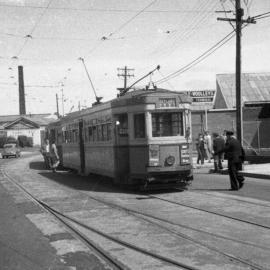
63 109
239 13
57 107
126 73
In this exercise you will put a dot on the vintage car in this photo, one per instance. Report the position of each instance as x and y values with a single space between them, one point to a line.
11 149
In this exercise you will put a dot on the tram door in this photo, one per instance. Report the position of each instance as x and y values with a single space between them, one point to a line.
81 146
121 154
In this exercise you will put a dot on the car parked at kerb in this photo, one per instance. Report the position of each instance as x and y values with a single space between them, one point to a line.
11 149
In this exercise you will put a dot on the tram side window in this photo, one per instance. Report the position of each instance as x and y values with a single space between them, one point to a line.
90 134
139 125
99 133
75 135
167 124
122 124
109 131
94 133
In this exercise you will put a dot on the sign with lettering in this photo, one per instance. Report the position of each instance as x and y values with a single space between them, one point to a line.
167 102
201 95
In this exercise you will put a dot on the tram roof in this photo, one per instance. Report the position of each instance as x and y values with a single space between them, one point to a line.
132 97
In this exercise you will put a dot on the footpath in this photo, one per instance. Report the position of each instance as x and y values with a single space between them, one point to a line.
261 171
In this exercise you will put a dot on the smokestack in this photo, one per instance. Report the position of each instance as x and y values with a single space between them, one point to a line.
21 91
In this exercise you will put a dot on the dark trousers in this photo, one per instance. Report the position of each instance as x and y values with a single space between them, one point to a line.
218 162
235 179
201 156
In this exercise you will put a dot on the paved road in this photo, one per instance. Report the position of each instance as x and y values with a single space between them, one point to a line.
253 188
25 247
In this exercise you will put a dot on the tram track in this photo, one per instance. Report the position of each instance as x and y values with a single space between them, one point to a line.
63 218
211 212
232 198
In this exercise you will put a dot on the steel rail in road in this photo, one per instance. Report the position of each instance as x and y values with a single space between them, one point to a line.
62 217
108 258
136 213
212 212
231 198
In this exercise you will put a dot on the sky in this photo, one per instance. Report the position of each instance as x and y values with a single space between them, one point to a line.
47 37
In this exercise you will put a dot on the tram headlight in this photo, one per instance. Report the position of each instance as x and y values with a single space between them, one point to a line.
153 155
170 160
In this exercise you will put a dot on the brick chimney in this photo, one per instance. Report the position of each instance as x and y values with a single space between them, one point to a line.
21 91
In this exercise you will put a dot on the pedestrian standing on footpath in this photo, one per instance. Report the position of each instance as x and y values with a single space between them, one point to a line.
208 145
45 151
236 156
54 156
200 149
218 146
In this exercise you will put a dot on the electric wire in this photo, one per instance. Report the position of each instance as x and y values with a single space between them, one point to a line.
34 28
223 7
196 59
200 58
193 23
188 27
104 9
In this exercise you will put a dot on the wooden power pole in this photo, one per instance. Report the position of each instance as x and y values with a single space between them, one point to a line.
239 13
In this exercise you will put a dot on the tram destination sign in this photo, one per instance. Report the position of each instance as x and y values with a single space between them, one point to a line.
201 95
167 102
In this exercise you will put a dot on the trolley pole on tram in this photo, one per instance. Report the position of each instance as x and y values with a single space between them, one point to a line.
239 13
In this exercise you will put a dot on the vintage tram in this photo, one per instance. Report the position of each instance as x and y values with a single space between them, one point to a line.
139 139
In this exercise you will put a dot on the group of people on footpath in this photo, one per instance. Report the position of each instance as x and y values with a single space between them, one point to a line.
50 155
222 147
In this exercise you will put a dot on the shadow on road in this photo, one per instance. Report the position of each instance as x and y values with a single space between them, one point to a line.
210 189
91 182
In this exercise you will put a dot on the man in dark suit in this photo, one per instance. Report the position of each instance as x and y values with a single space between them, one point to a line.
235 155
218 146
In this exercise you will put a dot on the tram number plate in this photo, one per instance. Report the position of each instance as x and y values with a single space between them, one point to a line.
167 102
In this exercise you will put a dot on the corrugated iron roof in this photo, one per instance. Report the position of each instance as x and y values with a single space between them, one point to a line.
255 87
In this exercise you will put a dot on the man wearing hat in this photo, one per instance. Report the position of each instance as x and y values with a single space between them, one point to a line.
235 155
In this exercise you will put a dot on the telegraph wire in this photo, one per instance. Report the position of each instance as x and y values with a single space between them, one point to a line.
225 13
263 14
29 36
200 58
262 17
102 9
183 36
193 21
132 18
179 71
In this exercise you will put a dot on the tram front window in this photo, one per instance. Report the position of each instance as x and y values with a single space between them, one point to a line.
167 124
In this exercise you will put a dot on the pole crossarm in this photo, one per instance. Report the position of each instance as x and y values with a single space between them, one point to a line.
248 20
148 74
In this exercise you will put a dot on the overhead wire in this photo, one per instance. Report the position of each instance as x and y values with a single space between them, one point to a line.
200 58
222 4
100 9
197 20
183 26
34 28
105 38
